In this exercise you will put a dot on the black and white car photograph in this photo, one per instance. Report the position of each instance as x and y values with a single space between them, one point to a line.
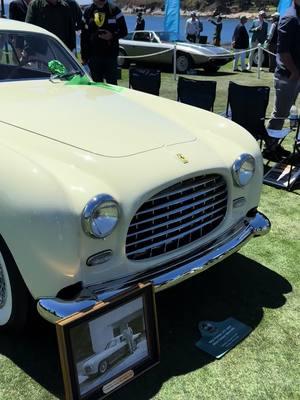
109 344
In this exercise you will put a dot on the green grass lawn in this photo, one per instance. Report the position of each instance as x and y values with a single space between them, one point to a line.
258 286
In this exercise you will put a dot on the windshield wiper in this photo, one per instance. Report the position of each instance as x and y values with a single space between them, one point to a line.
66 76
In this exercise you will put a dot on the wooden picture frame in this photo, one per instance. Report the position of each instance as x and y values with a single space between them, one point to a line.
103 348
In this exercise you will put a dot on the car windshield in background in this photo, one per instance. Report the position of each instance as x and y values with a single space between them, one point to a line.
26 56
164 36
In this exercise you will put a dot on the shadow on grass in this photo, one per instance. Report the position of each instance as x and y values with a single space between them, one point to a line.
239 287
193 72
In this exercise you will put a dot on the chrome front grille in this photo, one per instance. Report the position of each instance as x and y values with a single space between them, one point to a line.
177 216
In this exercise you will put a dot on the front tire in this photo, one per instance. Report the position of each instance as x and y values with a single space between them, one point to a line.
263 59
122 62
102 368
14 296
183 63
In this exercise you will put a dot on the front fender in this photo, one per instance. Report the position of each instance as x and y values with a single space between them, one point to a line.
39 225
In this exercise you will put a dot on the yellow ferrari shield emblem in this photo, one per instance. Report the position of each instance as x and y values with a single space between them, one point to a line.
182 158
99 18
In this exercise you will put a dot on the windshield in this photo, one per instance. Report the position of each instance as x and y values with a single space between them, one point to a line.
26 55
164 36
111 344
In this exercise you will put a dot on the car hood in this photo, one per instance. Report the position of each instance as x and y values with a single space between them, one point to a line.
108 121
206 49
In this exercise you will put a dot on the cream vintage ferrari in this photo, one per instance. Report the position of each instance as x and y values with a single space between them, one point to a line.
103 187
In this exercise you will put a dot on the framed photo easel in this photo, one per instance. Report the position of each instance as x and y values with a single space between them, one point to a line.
107 346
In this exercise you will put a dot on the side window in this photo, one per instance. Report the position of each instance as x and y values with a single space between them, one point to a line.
143 36
9 53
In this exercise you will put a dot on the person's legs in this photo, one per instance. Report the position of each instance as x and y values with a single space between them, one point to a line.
96 68
243 60
111 70
191 38
286 93
236 60
251 55
272 58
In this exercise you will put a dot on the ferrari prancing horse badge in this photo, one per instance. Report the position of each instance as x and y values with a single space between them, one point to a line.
182 158
99 18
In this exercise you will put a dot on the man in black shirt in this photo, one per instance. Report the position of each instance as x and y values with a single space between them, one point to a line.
287 73
103 26
272 41
240 42
56 17
140 22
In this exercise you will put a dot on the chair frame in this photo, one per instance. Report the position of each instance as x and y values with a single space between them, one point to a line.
289 161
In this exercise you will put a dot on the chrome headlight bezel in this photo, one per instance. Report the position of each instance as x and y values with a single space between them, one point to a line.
243 169
95 225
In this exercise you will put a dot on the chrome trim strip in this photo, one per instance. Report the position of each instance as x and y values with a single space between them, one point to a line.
164 276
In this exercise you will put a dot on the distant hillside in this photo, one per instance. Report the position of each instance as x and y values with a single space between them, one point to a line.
214 6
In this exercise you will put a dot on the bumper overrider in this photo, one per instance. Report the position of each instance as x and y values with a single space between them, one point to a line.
164 276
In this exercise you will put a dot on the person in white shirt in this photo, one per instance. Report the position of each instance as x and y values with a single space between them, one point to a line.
192 28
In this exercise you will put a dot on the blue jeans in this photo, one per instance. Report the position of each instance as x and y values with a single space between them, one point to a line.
286 93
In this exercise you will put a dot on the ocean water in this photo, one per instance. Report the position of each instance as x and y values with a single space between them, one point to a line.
156 23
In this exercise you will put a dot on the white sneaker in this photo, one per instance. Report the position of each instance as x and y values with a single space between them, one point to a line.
248 68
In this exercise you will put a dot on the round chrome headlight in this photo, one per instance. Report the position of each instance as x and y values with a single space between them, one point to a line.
243 169
100 216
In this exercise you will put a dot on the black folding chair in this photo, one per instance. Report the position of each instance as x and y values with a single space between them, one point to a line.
286 173
197 93
247 106
145 80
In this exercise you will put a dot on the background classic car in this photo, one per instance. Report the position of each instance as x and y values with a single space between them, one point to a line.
81 216
188 55
114 351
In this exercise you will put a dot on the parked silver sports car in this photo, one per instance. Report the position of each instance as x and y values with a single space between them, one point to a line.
188 55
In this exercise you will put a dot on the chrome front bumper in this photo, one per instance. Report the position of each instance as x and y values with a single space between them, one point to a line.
164 276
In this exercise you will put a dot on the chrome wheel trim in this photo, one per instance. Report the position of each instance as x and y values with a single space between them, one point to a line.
255 58
5 294
182 63
103 366
2 288
121 61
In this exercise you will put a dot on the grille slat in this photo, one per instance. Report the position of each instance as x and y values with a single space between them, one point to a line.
172 230
177 216
180 209
174 238
181 190
178 219
177 201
